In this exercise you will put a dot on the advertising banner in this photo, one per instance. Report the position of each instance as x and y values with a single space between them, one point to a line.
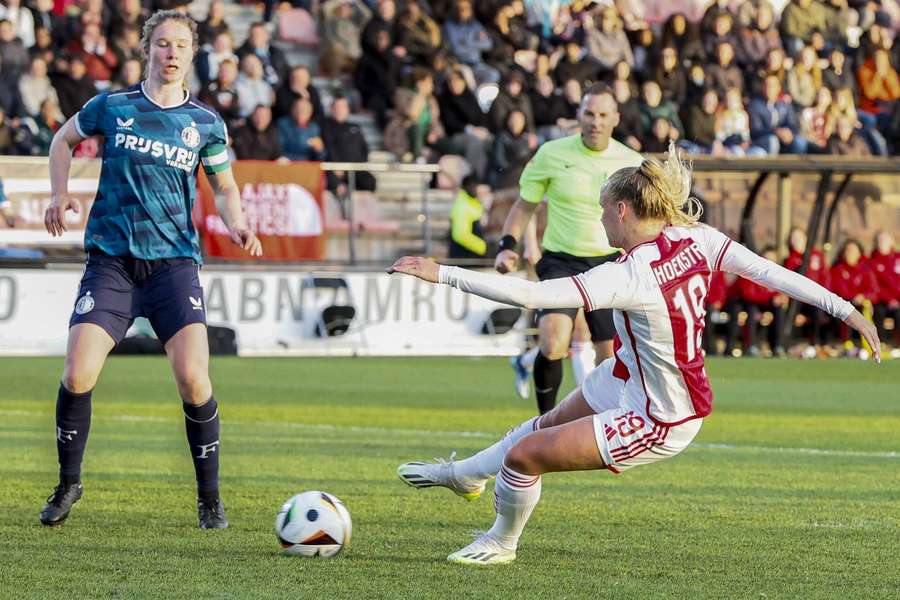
283 313
284 207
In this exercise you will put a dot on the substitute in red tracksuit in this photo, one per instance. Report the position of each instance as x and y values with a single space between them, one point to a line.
852 279
756 300
885 266
817 270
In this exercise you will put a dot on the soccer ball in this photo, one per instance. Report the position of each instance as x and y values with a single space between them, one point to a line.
313 524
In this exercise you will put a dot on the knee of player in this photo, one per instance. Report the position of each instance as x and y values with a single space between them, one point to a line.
78 381
554 350
522 457
194 385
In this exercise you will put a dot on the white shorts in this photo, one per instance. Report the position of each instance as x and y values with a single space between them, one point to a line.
626 435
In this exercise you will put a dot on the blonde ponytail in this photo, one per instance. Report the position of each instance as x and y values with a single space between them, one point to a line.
657 190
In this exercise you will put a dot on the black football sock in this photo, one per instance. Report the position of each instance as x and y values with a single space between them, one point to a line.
548 376
73 422
202 426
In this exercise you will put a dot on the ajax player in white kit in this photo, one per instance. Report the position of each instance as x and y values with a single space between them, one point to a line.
648 401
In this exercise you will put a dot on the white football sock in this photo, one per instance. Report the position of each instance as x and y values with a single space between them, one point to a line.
526 359
515 496
583 360
487 462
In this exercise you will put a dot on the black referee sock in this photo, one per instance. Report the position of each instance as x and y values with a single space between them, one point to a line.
73 422
548 376
202 426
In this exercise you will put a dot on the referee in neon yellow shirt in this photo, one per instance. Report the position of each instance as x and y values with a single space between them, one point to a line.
569 173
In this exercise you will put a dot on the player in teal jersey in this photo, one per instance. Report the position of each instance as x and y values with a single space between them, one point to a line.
569 173
143 252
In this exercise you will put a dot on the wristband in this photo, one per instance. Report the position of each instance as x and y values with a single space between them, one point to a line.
508 242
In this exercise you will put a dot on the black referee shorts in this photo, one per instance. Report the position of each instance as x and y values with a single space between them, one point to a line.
556 265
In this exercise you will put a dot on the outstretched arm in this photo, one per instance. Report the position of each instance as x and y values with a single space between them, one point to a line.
737 259
553 293
65 140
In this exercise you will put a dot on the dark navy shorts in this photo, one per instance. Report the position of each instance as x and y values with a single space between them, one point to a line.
556 265
115 290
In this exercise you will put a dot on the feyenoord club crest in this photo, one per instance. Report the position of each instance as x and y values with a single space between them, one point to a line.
190 136
85 304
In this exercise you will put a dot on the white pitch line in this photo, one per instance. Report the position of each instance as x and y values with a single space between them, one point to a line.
463 434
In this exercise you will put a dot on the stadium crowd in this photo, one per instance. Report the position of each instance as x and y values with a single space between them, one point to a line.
490 80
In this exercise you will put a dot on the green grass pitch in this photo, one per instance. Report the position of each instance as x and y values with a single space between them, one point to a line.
791 490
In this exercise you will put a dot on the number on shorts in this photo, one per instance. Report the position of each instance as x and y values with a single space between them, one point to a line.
629 424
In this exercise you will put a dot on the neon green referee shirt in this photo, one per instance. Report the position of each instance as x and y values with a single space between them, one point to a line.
570 175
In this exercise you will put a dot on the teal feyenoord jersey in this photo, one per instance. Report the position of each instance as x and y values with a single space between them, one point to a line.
148 181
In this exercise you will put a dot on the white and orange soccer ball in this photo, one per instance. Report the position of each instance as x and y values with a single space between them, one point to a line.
313 524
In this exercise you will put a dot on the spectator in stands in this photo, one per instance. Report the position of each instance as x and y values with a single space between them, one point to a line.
818 271
838 75
722 33
11 98
875 38
512 42
257 138
376 77
885 266
512 96
757 300
214 24
645 49
757 39
571 93
43 126
671 76
653 107
816 124
700 126
513 147
551 111
630 130
129 14
13 55
606 41
35 87
342 26
99 59
622 72
72 85
775 65
733 127
300 137
879 86
21 19
696 85
9 135
773 123
44 46
684 36
416 124
126 44
418 33
468 39
275 66
661 133
344 142
573 65
382 20
715 9
799 19
466 232
725 73
298 85
222 93
805 79
851 279
845 140
50 21
466 126
844 106
130 73
210 57
252 88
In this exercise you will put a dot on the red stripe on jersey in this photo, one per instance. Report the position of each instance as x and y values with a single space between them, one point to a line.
644 444
721 256
620 370
586 300
609 432
683 276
